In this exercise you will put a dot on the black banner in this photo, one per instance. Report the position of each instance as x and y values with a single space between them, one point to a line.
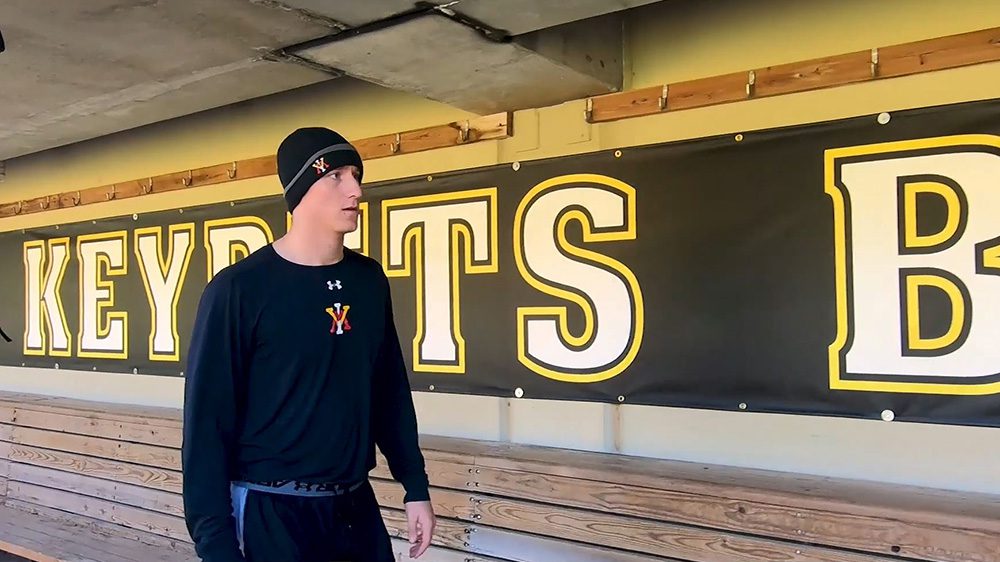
845 268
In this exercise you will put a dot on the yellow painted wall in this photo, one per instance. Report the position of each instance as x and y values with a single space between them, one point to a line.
675 40
670 41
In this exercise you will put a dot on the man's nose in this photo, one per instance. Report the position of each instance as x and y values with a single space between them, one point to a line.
353 187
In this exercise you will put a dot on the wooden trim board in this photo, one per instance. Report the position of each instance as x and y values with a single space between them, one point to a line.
878 63
456 133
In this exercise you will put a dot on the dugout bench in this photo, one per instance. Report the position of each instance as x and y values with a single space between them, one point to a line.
85 481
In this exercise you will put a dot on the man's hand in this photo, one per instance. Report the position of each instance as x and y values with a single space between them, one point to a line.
420 526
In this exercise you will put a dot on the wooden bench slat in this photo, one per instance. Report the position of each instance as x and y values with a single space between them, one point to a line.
447 503
652 537
441 473
447 534
104 460
401 549
132 431
862 533
35 538
497 544
149 455
167 417
103 510
521 547
126 494
4 467
145 547
961 509
145 476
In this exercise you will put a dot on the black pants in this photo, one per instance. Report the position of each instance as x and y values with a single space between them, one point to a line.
282 528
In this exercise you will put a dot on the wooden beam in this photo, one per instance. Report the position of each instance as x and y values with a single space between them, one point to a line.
839 70
704 92
813 74
939 54
456 133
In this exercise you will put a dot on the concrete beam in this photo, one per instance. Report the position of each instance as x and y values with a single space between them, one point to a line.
353 13
93 68
518 17
440 59
149 102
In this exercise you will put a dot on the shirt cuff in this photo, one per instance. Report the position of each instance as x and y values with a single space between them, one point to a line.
416 489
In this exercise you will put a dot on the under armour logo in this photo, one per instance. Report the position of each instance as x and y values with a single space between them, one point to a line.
321 166
334 285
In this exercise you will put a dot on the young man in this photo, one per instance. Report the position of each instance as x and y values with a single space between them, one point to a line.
294 374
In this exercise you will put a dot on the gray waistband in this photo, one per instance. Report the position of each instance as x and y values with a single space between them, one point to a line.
293 488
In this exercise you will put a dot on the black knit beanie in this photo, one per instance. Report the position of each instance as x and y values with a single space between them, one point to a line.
308 154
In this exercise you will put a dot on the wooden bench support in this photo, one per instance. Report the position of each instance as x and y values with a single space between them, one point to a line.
46 535
93 482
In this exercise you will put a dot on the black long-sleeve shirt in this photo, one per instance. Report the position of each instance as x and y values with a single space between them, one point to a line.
294 373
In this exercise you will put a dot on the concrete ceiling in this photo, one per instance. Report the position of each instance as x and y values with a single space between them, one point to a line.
79 70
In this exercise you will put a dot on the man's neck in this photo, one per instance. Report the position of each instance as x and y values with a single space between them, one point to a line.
307 246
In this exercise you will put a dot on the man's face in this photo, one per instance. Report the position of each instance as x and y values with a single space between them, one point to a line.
332 201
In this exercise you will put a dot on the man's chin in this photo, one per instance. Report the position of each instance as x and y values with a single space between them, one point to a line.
346 227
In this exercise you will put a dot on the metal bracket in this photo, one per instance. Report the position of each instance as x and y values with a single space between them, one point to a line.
232 171
396 144
76 199
463 132
111 194
282 55
751 81
489 32
663 97
874 62
186 181
146 189
589 112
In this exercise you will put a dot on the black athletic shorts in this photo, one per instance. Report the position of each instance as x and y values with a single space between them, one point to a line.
276 527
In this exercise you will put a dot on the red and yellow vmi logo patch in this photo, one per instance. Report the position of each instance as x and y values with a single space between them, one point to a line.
339 314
